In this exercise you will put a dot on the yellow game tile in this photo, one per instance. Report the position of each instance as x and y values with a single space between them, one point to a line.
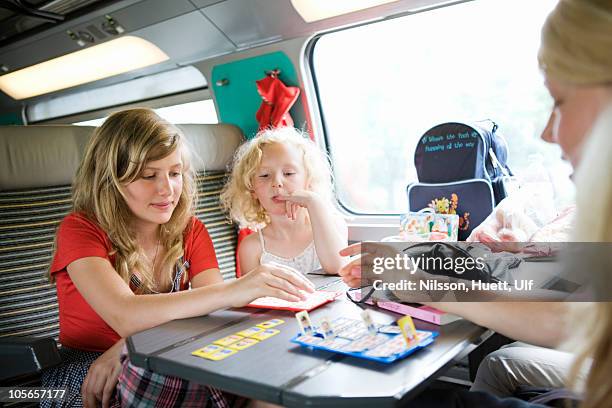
221 354
207 350
265 334
270 323
226 341
250 331
244 343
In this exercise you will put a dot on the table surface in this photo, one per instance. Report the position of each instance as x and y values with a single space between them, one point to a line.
282 372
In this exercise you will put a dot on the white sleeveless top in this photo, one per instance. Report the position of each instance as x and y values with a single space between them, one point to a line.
305 262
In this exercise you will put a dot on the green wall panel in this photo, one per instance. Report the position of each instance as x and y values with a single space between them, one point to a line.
10 119
238 100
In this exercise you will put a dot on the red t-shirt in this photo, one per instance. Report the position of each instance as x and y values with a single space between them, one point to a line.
78 237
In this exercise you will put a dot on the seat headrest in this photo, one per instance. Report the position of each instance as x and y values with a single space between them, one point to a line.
49 155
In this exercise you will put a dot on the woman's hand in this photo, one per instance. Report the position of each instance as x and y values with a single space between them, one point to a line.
270 280
297 199
351 272
369 252
101 379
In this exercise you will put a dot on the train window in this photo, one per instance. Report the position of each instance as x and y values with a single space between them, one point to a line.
192 112
382 85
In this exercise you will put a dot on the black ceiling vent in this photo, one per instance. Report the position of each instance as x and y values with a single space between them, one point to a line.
21 18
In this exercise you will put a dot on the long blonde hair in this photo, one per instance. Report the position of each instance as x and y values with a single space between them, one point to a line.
575 49
593 224
115 156
236 197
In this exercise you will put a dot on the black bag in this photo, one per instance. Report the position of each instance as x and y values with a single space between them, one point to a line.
460 168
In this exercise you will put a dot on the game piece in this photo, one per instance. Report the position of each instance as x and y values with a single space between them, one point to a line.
327 329
369 323
221 354
353 332
309 339
244 343
207 350
407 327
333 343
270 323
250 331
226 341
265 334
304 322
389 329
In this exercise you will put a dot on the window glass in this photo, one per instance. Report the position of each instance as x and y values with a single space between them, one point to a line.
192 112
382 85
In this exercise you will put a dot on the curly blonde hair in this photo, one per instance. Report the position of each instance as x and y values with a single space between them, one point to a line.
236 197
116 155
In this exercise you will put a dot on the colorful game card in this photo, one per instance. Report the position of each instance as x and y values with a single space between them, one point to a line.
406 325
270 323
226 341
243 344
366 316
352 332
336 343
265 334
250 331
390 329
309 339
327 329
221 354
207 350
306 326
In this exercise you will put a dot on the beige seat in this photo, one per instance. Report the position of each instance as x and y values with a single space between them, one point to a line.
37 165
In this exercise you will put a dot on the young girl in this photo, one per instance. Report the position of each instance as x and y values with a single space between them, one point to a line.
281 187
133 233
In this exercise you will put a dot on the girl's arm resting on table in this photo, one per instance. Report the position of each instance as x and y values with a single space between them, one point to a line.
206 278
127 313
330 235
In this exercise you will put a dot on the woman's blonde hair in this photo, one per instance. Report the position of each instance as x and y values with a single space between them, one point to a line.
115 156
236 197
576 42
594 224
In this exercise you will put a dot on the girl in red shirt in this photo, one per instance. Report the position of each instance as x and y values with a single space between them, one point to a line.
133 233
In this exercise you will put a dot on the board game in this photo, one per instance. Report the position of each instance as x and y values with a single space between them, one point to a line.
382 343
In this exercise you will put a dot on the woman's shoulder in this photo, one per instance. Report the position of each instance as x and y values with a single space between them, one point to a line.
195 235
251 243
194 227
79 221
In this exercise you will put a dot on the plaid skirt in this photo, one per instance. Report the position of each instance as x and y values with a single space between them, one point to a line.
70 375
136 387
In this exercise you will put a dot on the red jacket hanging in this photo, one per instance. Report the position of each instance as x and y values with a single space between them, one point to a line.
277 100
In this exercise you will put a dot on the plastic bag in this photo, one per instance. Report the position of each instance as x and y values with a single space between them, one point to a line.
507 224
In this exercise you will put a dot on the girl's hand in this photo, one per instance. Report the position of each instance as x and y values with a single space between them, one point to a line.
270 280
101 379
297 199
